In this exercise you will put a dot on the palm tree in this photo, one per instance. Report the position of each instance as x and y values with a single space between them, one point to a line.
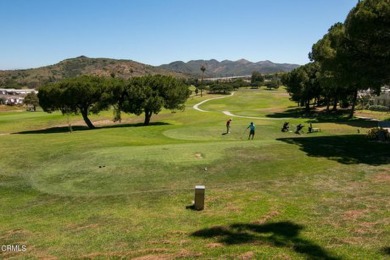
202 68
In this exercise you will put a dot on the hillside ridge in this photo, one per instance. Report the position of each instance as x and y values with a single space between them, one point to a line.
227 68
82 65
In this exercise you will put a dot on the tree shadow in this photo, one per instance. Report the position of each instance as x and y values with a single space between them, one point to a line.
279 234
346 149
341 120
54 130
65 129
337 117
386 250
360 123
295 112
133 125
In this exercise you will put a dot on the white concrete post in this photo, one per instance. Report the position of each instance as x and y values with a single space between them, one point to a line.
199 197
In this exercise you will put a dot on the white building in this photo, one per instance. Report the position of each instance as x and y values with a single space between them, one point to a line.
9 96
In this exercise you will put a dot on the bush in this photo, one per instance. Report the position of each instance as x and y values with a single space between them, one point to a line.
344 103
378 134
273 84
378 108
220 88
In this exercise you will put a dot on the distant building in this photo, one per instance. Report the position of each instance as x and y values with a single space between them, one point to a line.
14 101
383 99
12 91
9 96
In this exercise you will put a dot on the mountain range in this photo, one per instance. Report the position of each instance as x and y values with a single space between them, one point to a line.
82 65
227 68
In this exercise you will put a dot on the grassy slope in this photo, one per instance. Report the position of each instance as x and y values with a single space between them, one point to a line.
122 191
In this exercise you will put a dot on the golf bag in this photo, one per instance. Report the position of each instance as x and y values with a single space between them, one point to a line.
299 128
285 127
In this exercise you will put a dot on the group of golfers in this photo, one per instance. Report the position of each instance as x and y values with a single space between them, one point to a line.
251 128
285 128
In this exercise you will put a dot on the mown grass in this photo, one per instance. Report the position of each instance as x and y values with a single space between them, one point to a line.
121 190
251 102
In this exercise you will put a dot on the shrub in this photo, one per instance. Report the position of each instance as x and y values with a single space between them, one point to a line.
378 134
378 108
273 84
220 88
344 103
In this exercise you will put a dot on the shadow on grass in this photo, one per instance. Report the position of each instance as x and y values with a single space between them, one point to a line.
361 123
337 117
342 119
346 149
292 112
65 129
386 251
279 234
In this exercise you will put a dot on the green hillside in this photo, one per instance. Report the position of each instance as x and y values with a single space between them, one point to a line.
33 78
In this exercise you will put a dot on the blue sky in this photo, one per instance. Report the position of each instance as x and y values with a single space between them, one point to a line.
37 33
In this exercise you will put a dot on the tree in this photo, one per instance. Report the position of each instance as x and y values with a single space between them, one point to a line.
85 95
302 84
367 41
238 83
355 55
11 83
149 94
203 69
115 96
221 87
50 98
294 82
272 81
339 77
272 84
331 90
257 79
328 53
31 99
367 29
194 82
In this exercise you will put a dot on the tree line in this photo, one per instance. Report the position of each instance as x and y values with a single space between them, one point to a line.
91 94
351 57
226 86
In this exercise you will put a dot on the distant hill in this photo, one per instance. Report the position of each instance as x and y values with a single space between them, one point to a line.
33 78
226 68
